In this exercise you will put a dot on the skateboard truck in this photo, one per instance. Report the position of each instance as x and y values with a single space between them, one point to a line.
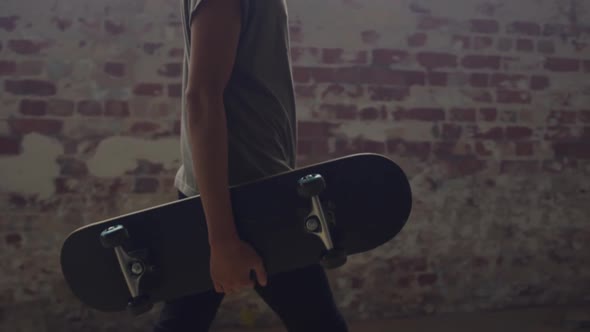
310 186
133 265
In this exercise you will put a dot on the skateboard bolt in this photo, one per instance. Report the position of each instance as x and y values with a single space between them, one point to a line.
312 225
137 268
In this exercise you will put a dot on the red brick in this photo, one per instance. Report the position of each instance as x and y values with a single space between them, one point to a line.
420 150
7 68
562 117
524 28
519 166
115 69
370 113
480 262
337 56
145 185
336 75
481 62
495 133
524 149
525 45
560 30
584 116
144 127
114 28
62 24
464 166
479 80
462 114
420 114
305 91
148 89
13 239
89 108
145 167
427 279
540 82
405 282
562 64
30 68
417 39
334 90
116 108
9 146
42 126
546 46
433 60
484 26
175 90
512 81
488 114
587 66
388 56
8 23
451 131
33 107
72 167
481 149
463 41
176 52
30 87
24 47
151 48
60 107
514 97
482 43
517 133
427 22
559 133
296 54
314 130
479 96
392 77
172 70
437 78
370 36
370 146
340 111
380 93
302 74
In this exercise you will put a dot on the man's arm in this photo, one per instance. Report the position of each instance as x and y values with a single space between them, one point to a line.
214 39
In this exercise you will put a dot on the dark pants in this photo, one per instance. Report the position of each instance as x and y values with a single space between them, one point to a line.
302 299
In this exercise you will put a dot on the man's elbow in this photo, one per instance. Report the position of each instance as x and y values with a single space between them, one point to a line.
202 102
203 95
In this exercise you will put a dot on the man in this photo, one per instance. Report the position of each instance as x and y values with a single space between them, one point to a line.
238 124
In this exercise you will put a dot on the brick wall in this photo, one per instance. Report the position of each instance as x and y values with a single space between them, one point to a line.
486 105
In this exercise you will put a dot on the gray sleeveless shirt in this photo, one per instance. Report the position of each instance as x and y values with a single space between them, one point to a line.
259 99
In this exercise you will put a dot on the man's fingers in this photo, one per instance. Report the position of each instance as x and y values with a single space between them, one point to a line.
218 287
260 273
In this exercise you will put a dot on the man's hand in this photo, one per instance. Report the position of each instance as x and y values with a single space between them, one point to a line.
231 267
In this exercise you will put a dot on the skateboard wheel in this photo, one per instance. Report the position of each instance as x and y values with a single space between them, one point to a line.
334 259
311 185
139 305
114 236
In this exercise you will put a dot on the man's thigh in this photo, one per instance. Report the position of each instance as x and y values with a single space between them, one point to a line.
303 300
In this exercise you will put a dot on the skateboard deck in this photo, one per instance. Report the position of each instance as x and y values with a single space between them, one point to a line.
315 214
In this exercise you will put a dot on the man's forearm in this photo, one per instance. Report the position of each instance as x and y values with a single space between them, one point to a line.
208 141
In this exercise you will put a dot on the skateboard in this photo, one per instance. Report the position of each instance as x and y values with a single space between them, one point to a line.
320 213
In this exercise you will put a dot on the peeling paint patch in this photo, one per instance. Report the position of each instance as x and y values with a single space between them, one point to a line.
117 155
33 171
